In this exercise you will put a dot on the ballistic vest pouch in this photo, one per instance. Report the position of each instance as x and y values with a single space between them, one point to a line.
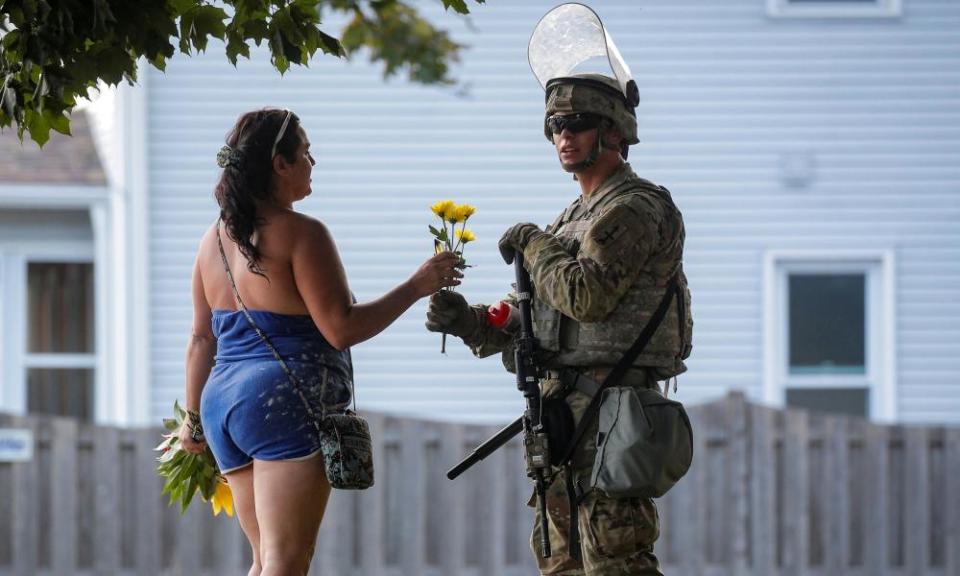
644 443
557 418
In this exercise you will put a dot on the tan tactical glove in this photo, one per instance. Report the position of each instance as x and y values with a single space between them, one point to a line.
449 312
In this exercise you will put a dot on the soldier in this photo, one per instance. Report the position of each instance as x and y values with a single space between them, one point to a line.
598 272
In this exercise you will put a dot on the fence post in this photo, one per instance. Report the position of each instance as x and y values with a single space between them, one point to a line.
26 506
373 503
63 471
837 517
796 483
877 452
106 450
494 475
917 525
951 448
763 514
736 429
414 498
147 500
452 501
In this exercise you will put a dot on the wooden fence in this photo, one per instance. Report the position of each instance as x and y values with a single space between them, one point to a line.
770 493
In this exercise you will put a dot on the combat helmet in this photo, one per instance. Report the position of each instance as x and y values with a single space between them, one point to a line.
571 36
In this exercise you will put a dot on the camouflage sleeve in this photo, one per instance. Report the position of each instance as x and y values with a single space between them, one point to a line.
588 286
487 340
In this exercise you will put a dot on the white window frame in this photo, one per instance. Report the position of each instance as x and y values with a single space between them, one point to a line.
880 344
876 9
109 397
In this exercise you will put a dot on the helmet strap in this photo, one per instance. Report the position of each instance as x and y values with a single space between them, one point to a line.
591 159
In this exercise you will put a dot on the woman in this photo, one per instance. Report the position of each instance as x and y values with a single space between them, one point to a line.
289 275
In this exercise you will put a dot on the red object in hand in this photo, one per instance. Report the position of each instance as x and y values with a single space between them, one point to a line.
503 316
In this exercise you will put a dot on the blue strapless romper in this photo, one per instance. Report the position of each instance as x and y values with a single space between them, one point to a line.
249 408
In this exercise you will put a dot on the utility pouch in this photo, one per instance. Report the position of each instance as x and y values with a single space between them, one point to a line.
557 418
644 443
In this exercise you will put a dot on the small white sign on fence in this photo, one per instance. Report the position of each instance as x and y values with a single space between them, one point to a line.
16 445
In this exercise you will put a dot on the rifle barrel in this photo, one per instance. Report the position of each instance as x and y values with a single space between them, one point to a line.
488 447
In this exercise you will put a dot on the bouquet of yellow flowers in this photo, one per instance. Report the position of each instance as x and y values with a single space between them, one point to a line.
453 239
187 474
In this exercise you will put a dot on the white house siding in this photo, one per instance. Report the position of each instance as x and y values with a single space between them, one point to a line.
728 96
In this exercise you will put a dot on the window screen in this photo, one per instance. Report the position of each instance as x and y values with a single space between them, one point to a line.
827 329
60 307
61 392
60 339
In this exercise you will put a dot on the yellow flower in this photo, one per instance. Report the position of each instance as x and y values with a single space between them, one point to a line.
462 212
465 235
222 499
444 209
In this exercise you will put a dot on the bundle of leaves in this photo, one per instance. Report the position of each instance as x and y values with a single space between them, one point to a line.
188 474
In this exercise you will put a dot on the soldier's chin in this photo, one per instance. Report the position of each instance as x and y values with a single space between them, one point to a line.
575 167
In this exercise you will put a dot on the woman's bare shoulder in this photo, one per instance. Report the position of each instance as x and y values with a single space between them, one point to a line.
209 237
296 226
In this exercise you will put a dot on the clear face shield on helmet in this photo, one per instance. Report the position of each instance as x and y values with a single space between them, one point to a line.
581 70
571 39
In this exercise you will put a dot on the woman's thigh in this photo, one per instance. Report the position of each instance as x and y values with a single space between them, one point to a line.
291 496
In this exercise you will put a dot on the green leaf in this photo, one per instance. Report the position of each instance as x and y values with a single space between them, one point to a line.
58 122
38 126
458 5
236 47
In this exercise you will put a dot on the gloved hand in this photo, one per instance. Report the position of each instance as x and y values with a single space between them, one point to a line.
449 312
516 238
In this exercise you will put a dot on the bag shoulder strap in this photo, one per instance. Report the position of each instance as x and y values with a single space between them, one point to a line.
263 336
621 368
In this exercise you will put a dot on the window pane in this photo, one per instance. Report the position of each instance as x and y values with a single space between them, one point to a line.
827 323
59 391
833 1
850 401
60 307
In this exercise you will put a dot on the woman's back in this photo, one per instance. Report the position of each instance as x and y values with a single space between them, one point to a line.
276 292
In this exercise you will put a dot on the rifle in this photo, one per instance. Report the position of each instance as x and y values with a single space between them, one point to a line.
535 445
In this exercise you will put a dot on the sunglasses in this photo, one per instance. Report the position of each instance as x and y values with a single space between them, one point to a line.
572 122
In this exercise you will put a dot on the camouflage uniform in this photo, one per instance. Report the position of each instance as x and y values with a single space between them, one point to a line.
599 272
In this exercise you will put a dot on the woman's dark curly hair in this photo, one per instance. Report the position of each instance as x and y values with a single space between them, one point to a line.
245 182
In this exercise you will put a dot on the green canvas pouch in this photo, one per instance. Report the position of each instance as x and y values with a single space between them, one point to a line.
644 443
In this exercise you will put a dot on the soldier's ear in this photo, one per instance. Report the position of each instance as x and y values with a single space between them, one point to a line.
612 138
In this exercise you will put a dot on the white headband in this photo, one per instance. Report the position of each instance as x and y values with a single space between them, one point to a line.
283 128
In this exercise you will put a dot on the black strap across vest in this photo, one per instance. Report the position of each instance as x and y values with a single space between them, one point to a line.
673 288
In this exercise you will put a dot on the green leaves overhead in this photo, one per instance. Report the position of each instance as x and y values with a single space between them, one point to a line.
55 51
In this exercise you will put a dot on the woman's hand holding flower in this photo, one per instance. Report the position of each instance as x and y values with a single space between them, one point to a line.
437 272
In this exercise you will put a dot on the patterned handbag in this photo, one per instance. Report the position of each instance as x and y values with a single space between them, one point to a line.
347 450
345 440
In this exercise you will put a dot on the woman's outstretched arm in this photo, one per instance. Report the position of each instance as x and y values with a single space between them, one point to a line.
322 283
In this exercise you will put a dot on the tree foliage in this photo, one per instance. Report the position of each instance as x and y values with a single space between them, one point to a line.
53 52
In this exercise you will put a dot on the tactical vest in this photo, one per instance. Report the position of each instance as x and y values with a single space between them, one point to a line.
572 343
